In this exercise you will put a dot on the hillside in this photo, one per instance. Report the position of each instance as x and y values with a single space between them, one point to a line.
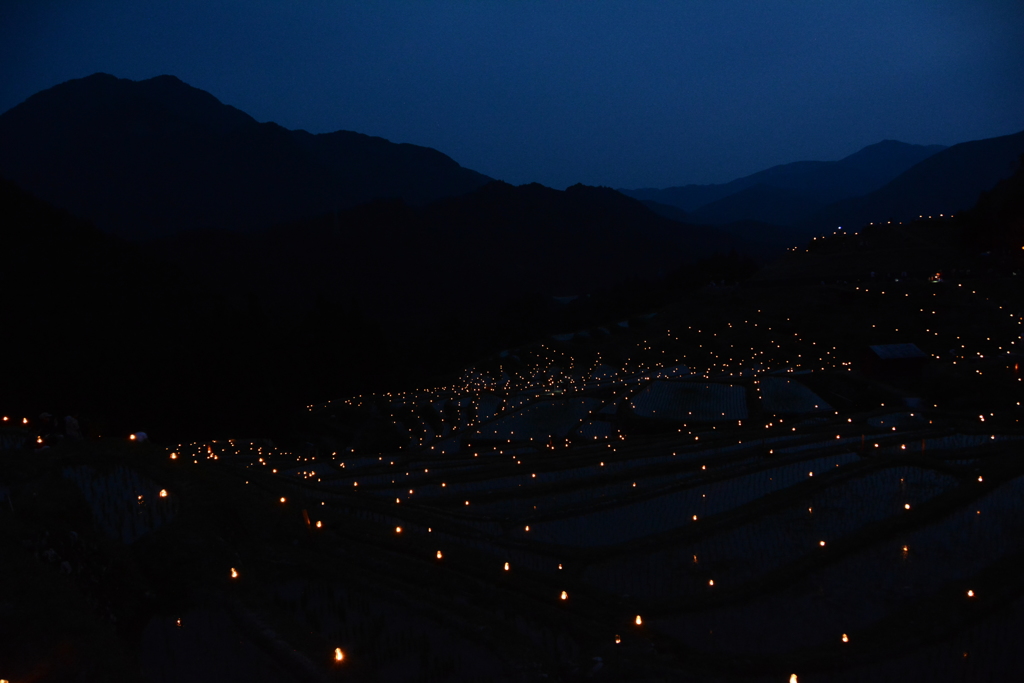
102 328
997 220
463 256
214 332
154 157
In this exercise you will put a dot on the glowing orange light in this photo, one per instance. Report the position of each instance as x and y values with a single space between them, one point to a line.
439 554
132 437
970 594
234 573
846 638
163 493
283 499
338 654
506 566
639 621
565 596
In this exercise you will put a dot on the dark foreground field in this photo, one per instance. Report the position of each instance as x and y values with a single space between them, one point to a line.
725 489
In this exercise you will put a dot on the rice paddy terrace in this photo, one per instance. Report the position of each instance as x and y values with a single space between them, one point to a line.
717 492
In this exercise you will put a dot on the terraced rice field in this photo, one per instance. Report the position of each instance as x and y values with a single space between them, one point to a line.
667 512
540 421
789 397
682 401
751 550
864 588
750 523
125 504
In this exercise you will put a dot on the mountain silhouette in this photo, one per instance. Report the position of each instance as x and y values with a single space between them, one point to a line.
153 157
947 182
786 193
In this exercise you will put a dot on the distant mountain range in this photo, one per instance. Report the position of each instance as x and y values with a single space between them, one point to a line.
286 216
947 182
814 183
887 181
153 157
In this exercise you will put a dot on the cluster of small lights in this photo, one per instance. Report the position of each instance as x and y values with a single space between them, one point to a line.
738 352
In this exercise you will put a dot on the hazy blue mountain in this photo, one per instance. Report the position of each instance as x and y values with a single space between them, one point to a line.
153 157
947 182
792 189
765 203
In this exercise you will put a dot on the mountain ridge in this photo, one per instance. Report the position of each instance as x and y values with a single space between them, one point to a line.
949 181
151 157
864 170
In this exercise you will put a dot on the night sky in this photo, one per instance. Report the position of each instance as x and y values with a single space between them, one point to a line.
626 94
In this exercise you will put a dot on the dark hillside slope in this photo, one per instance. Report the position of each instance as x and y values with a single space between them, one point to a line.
84 313
95 324
462 256
997 221
153 157
244 330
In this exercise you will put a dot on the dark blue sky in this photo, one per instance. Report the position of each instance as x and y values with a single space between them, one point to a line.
626 94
